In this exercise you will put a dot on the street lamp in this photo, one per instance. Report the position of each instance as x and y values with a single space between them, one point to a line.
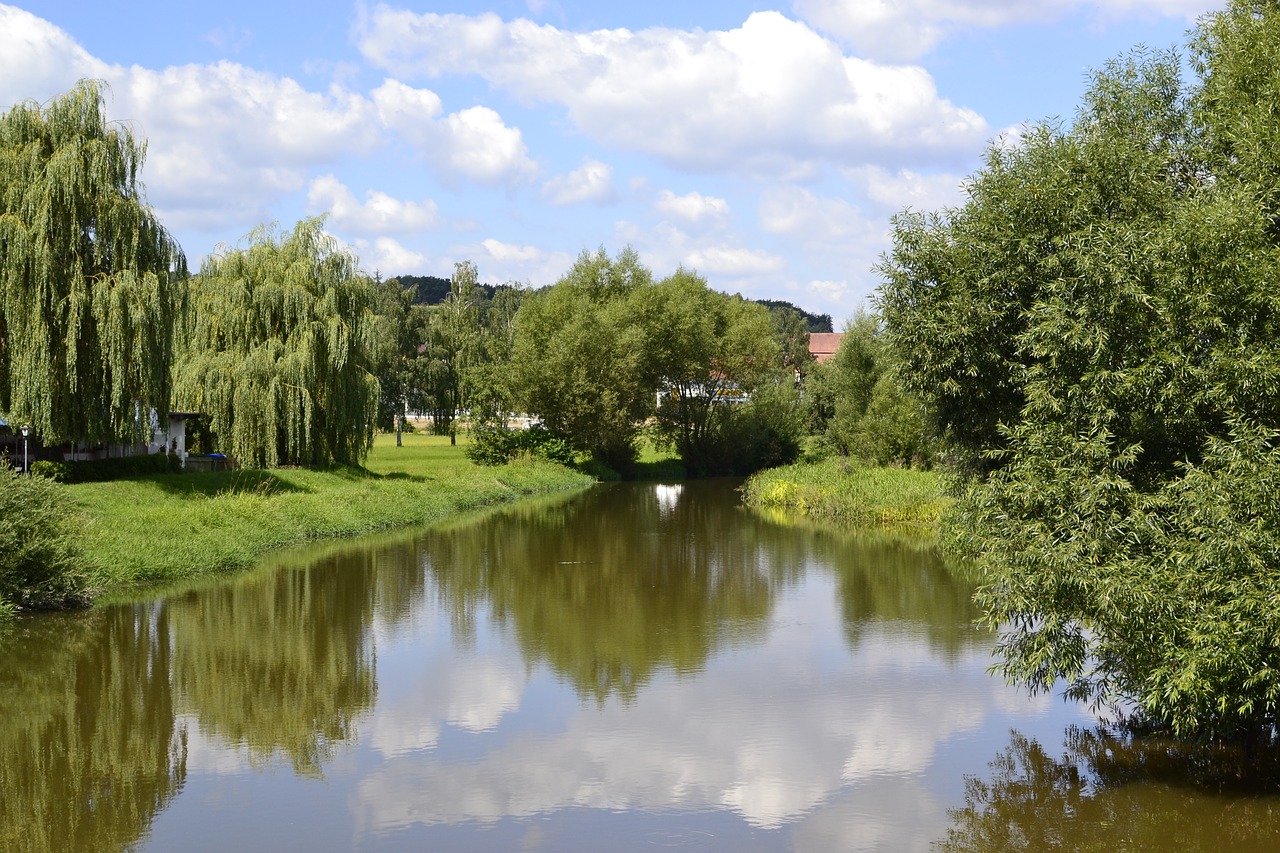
26 462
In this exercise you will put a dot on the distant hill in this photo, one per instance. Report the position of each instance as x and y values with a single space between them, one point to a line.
816 322
431 290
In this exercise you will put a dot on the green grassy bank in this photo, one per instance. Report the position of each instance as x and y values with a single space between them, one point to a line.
165 528
845 492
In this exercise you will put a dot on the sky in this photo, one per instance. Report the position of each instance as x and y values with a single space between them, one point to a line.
764 145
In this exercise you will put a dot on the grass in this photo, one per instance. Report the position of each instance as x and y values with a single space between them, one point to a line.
842 491
166 528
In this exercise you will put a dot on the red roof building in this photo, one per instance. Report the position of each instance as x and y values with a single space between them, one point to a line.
823 345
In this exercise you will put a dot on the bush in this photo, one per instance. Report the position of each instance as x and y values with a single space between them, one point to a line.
39 567
498 445
102 470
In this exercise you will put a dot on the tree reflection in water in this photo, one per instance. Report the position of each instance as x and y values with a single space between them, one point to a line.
89 750
1118 793
608 591
283 663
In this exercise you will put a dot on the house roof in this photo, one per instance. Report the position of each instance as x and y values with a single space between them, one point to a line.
823 345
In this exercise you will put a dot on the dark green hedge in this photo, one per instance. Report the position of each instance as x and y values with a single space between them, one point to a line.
101 470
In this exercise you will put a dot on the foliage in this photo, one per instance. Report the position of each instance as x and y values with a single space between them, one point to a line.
791 333
278 350
580 359
498 445
1095 333
39 564
400 328
491 397
812 322
101 470
857 403
88 277
606 348
714 359
454 347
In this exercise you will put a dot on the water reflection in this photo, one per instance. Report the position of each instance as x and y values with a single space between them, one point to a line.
281 666
649 652
609 591
89 750
1112 793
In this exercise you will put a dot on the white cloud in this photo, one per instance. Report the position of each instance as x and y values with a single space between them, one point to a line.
908 29
772 96
37 59
733 261
891 192
590 182
502 261
797 212
378 214
473 142
692 207
224 141
387 256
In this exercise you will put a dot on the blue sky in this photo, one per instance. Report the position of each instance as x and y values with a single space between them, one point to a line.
765 145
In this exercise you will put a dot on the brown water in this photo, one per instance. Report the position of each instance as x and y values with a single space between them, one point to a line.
633 669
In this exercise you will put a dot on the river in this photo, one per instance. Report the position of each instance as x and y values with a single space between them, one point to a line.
639 667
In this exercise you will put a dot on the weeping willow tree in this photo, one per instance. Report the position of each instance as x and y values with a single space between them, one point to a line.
87 274
277 350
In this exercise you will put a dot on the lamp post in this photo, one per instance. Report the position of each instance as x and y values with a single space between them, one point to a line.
26 461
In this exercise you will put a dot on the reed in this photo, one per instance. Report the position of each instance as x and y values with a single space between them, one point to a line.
839 490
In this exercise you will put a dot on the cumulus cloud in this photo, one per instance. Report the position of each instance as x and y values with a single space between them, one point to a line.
473 142
37 59
591 182
907 29
388 256
378 214
692 207
499 260
798 212
890 192
224 140
772 96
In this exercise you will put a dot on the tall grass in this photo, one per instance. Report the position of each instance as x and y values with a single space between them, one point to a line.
839 490
164 528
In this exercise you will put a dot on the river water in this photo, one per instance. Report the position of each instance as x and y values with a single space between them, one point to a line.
634 668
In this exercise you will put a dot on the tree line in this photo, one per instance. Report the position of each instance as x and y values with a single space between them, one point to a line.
293 356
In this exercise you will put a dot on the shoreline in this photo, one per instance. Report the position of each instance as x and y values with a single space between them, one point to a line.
164 529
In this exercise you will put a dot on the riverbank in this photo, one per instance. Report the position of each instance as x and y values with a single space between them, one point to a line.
845 492
167 528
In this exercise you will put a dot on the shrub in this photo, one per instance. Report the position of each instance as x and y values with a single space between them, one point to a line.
498 445
39 567
102 470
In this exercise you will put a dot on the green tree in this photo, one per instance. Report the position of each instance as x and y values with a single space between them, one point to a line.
400 330
454 349
858 404
87 274
277 350
492 398
580 359
1095 332
713 355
